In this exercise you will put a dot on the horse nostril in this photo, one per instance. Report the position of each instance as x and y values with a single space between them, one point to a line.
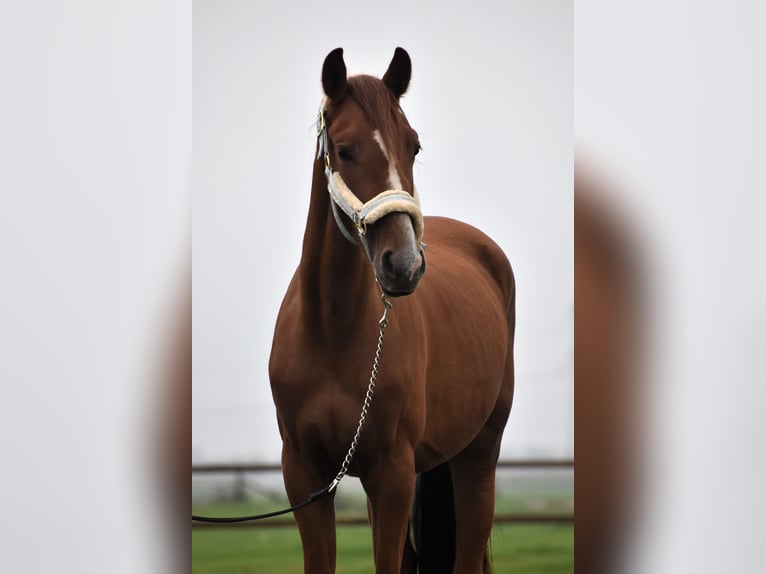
388 265
422 269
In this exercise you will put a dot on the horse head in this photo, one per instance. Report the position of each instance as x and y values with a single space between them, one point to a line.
369 150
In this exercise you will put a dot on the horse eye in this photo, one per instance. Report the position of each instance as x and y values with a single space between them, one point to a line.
417 149
345 154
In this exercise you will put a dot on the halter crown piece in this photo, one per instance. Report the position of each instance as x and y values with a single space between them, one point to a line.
367 213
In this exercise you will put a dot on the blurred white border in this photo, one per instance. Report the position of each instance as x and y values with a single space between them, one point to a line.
95 129
669 101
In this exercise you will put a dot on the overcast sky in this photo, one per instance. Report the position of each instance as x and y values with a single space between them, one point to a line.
491 97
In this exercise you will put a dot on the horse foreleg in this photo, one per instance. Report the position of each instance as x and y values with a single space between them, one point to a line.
390 486
316 522
409 557
473 480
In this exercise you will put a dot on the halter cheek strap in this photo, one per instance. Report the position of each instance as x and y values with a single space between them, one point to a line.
367 213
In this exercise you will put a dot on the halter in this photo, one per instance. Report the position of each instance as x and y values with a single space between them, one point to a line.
367 213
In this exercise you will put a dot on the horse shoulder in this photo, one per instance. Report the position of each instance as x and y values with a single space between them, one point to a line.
283 359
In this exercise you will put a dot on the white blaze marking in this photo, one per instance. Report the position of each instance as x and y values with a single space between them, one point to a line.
393 176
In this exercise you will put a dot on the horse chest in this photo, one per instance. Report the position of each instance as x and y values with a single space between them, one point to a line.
321 405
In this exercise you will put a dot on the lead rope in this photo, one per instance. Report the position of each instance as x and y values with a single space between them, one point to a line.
382 324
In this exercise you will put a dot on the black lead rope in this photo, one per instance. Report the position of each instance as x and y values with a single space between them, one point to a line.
231 519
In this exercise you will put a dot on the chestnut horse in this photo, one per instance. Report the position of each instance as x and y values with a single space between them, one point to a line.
431 440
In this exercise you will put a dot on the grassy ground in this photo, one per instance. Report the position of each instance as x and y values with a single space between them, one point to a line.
516 548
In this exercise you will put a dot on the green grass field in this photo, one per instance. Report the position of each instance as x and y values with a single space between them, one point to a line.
516 548
543 548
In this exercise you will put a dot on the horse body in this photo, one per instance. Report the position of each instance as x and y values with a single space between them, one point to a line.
445 384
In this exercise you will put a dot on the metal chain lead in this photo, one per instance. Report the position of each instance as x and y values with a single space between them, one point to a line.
382 324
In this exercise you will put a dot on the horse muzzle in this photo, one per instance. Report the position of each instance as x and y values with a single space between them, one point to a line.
398 265
400 274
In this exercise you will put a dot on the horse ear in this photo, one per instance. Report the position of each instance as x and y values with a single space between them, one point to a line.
397 77
334 74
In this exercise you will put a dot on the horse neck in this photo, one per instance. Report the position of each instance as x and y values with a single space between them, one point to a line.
337 284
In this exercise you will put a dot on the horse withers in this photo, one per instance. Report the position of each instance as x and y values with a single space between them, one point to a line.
427 453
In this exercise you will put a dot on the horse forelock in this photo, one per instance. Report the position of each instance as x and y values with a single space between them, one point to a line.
382 110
